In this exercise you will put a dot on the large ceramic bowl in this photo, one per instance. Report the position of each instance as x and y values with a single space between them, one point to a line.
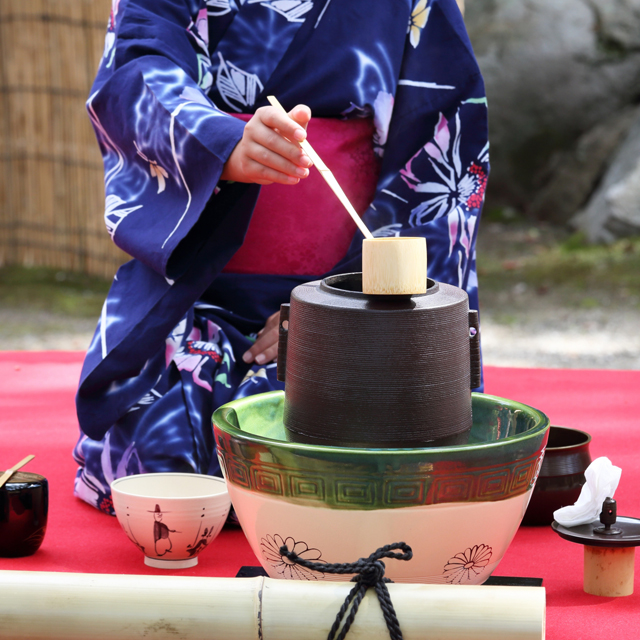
458 507
171 517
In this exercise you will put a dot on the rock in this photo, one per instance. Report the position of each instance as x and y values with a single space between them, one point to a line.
554 70
614 209
618 22
571 175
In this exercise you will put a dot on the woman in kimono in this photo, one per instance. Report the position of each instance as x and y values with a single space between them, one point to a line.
208 192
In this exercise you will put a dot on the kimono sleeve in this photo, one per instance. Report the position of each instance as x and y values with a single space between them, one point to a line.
432 134
164 143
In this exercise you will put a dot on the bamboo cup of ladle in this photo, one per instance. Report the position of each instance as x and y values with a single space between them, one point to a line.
394 266
390 266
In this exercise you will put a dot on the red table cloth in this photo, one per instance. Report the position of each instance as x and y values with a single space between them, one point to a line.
37 416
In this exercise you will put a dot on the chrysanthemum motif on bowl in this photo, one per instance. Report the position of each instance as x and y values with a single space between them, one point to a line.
271 545
464 566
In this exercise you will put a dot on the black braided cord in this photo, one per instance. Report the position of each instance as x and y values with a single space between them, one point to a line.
369 573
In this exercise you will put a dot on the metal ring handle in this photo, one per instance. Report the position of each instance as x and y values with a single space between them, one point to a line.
283 334
474 343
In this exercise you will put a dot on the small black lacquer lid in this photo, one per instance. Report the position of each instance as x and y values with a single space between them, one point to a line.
612 531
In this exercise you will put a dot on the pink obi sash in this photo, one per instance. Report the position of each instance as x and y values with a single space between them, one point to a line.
303 229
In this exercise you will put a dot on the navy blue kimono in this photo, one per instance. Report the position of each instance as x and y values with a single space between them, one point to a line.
168 346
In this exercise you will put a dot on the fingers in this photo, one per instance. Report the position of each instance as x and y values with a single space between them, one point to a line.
272 131
265 348
301 114
261 173
272 140
292 129
252 162
268 355
269 150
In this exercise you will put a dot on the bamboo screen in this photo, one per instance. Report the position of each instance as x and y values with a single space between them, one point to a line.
51 178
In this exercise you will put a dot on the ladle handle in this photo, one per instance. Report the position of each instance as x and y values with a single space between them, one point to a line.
327 175
283 334
474 343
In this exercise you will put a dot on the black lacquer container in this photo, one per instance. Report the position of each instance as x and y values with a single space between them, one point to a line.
24 506
561 477
378 371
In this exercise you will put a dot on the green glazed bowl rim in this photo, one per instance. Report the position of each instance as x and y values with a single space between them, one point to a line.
220 421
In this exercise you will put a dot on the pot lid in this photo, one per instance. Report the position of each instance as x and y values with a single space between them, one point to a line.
345 291
612 531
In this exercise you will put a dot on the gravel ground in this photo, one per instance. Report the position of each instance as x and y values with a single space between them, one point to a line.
35 330
549 337
564 326
545 336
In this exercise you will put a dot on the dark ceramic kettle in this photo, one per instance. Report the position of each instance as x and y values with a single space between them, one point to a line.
377 371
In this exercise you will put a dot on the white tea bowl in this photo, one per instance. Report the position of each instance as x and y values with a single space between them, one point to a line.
171 517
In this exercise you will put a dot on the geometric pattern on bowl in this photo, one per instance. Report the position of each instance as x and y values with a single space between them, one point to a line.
501 460
457 507
171 517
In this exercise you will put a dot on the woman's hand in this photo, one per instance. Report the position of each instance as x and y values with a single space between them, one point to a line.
265 348
269 150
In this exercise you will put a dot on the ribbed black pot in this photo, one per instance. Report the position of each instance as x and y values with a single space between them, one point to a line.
385 371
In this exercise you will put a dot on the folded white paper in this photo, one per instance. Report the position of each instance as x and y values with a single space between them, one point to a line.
602 480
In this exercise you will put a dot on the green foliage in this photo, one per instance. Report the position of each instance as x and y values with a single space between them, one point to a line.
58 292
502 215
581 274
575 242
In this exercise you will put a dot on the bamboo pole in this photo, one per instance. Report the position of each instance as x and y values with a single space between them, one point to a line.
57 606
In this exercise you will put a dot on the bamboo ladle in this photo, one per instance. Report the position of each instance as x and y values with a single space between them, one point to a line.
9 472
327 175
390 266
